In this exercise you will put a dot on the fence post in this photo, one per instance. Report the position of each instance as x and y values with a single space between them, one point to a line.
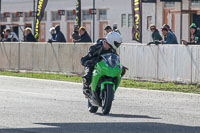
19 60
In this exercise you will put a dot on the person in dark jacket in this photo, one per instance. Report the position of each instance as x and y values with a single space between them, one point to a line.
195 35
169 29
169 38
75 34
59 35
155 35
112 41
84 35
28 36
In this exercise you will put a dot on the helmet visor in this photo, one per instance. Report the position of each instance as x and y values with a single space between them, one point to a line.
117 44
109 44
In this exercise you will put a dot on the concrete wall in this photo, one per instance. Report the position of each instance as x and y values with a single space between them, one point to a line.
147 12
159 14
175 63
64 58
186 21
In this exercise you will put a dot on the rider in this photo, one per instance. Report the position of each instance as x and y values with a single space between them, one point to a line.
108 45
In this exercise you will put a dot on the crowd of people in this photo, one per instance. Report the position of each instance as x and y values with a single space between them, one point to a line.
56 35
80 34
9 36
168 36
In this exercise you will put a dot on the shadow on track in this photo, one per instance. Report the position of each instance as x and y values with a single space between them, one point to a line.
109 127
127 116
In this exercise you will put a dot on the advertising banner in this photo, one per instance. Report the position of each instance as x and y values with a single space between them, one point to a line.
137 20
41 5
78 12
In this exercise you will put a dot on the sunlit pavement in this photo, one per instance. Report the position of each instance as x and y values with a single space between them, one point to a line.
44 106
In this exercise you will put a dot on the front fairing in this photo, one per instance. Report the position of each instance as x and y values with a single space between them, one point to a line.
105 70
109 68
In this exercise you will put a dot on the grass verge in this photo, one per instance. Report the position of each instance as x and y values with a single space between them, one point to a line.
124 83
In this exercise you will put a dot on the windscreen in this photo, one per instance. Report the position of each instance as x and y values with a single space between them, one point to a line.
111 59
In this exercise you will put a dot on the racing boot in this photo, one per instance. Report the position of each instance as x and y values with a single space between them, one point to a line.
86 88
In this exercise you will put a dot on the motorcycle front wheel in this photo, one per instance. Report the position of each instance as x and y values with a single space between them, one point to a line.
107 98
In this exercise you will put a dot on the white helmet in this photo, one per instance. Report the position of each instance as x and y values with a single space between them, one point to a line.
114 39
52 29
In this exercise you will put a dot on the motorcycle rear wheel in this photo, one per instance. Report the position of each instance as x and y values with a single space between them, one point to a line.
107 99
91 108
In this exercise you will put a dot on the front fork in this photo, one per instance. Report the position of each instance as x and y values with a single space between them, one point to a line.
107 82
103 88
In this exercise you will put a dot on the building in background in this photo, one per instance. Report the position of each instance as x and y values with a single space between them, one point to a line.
109 12
179 15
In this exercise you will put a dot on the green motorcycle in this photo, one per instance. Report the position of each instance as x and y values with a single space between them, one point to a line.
105 81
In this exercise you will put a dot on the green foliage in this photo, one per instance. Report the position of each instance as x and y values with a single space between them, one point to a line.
124 83
187 88
49 76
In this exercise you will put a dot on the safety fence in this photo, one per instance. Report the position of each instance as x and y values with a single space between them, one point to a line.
174 63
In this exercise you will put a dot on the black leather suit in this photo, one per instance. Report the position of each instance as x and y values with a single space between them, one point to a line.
90 60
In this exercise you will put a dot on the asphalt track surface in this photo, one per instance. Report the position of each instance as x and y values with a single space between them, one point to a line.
44 106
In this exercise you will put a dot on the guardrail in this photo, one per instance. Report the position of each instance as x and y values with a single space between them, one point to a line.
174 63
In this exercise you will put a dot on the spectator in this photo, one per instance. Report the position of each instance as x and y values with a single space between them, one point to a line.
169 29
195 35
84 35
156 37
10 36
53 34
108 29
2 35
115 29
28 36
75 34
169 38
59 35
